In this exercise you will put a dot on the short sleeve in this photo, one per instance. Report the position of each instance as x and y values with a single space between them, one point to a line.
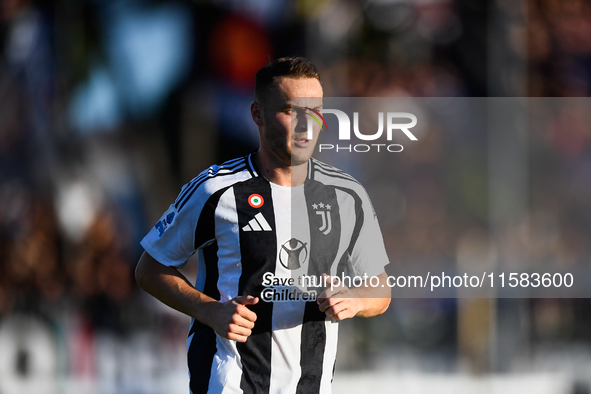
172 239
369 253
176 235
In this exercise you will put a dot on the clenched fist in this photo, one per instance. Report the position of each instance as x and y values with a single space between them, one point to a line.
234 320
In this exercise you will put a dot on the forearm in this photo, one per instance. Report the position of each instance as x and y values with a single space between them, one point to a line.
171 287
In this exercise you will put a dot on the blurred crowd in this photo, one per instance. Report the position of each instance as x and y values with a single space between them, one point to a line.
107 107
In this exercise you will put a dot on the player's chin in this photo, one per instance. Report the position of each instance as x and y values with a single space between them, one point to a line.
301 155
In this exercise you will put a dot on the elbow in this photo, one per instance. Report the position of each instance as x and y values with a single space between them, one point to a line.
374 307
140 274
381 306
385 305
147 273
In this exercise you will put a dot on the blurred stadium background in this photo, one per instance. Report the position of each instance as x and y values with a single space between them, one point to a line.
107 107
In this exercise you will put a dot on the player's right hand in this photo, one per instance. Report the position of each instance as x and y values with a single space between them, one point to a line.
234 320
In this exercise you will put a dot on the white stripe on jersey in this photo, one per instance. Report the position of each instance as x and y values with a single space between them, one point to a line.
226 369
330 355
287 316
227 236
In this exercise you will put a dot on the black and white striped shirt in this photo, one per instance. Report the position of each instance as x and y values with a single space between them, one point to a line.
244 227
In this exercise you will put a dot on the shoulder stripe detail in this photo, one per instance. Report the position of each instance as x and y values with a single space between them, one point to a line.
180 204
189 186
336 176
324 165
204 175
330 169
229 166
233 161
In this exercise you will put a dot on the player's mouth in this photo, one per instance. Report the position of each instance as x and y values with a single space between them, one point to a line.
301 142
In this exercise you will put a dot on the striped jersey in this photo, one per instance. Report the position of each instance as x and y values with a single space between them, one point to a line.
257 238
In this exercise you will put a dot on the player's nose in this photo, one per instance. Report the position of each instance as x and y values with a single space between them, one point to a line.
302 121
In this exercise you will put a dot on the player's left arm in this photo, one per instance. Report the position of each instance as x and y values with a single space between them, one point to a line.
341 302
367 257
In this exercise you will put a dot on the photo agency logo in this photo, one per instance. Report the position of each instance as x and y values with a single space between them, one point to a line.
396 122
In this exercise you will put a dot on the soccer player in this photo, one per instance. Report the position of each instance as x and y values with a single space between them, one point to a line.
260 224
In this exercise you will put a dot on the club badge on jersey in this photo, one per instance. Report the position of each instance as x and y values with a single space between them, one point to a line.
323 210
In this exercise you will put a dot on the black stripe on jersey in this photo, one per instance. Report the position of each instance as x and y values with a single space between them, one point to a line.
229 165
212 273
324 247
258 251
210 176
205 230
312 349
200 356
202 348
359 216
323 251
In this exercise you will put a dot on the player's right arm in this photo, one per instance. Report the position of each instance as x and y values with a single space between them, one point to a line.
232 319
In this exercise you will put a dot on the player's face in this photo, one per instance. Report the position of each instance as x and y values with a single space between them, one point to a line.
284 131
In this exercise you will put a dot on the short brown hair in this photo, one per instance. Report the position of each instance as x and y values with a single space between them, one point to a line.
293 67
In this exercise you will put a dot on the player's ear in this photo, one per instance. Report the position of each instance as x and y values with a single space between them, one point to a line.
257 113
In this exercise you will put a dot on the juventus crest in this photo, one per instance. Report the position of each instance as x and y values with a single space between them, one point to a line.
323 210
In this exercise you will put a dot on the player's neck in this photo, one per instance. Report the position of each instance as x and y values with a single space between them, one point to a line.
280 173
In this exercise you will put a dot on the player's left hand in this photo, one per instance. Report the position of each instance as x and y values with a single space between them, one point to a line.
340 303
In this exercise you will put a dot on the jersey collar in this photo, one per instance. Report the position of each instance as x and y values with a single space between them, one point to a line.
252 167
